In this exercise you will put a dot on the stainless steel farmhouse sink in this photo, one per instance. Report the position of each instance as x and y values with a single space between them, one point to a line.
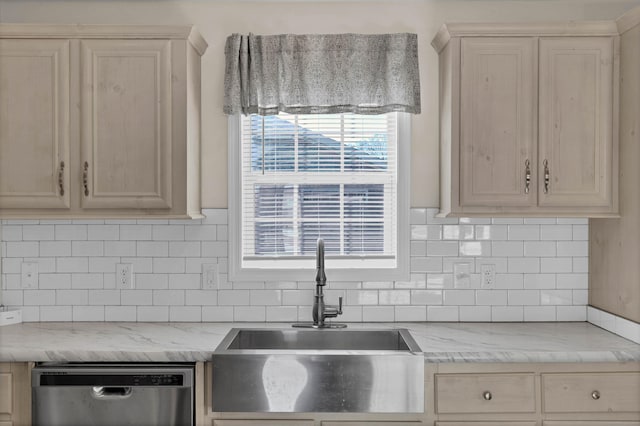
318 370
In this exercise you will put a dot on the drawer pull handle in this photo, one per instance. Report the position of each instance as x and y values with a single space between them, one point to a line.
487 395
527 176
85 179
61 178
547 175
595 395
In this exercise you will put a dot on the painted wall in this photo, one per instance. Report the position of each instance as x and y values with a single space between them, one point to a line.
216 19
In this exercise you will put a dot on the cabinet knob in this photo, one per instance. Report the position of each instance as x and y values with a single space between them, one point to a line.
487 395
85 179
595 395
547 175
61 178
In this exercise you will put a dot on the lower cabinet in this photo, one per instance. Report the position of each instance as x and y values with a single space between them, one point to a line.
263 423
486 423
15 394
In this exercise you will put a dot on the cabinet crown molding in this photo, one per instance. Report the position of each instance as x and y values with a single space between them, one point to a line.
629 20
531 29
66 31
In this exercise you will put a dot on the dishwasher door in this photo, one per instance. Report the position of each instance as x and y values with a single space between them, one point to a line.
110 395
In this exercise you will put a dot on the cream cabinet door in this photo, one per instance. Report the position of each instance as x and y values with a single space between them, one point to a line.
497 116
34 124
126 124
576 121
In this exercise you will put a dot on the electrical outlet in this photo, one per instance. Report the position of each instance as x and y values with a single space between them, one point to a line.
209 276
124 276
488 273
29 275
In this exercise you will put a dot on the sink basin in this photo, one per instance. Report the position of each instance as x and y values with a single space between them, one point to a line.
310 370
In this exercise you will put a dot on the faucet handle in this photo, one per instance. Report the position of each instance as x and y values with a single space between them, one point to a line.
340 305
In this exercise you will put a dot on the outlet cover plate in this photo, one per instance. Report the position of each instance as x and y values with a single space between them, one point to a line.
29 275
124 276
488 275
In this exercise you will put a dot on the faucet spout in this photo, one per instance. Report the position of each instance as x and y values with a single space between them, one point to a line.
321 277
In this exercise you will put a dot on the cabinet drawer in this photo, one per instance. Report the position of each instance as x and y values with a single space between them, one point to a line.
371 423
485 393
263 423
592 423
492 423
592 392
6 391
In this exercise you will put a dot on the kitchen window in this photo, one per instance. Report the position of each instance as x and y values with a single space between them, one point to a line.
298 177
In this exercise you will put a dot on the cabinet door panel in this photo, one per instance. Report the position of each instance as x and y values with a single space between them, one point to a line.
263 423
497 110
34 123
126 125
6 391
491 423
591 423
575 121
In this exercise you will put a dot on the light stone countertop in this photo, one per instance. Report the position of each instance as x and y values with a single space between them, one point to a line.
441 342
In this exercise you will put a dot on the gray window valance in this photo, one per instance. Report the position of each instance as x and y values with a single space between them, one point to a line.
322 74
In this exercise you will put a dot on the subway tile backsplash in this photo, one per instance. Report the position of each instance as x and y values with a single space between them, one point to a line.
540 273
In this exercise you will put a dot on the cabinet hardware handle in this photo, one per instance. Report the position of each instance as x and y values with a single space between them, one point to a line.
595 395
85 179
527 176
60 178
546 176
487 395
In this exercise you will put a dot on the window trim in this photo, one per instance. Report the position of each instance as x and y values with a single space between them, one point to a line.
399 273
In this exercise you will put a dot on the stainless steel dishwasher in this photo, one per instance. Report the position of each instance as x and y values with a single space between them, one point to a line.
113 394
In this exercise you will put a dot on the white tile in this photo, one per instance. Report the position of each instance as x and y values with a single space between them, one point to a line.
120 248
540 248
507 313
475 220
475 313
104 264
184 248
72 264
268 297
432 220
88 313
201 233
136 297
12 232
349 314
235 297
282 313
418 248
524 297
201 297
394 297
354 297
415 281
104 297
110 281
38 232
507 248
120 313
556 232
426 297
459 297
103 232
12 297
168 233
151 281
11 281
580 232
22 249
475 248
12 265
419 233
168 297
135 232
87 248
556 297
300 297
580 297
215 216
501 263
506 221
491 232
418 216
524 264
222 232
426 264
88 222
55 313
555 265
219 313
539 313
369 285
185 313
120 222
55 248
410 313
249 313
153 248
46 265
573 221
169 265
152 221
539 281
152 313
71 232
140 265
292 285
88 281
442 313
214 249
573 248
251 285
524 232
628 329
39 297
185 281
72 297
439 281
194 264
491 297
378 313
21 222
581 264
571 313
457 232
187 222
573 281
540 221
54 281
32 313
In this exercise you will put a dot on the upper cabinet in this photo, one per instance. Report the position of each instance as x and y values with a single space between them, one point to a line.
100 121
528 117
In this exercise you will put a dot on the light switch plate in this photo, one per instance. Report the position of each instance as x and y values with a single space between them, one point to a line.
461 275
29 277
209 276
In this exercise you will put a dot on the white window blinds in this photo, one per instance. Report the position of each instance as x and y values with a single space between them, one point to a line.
319 176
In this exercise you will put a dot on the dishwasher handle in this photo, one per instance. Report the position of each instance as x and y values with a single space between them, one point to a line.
111 392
